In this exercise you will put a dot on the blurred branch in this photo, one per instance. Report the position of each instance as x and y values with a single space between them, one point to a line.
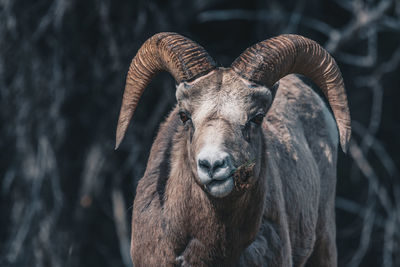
121 226
381 193
41 166
92 180
367 60
54 17
363 18
371 176
295 17
238 14
104 7
366 233
374 82
389 240
356 209
379 149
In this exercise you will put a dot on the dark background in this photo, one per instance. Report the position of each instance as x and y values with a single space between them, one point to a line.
66 195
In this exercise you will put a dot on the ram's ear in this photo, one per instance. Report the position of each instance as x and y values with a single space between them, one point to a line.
274 88
182 91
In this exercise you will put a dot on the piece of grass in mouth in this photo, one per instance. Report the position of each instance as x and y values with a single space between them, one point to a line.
243 173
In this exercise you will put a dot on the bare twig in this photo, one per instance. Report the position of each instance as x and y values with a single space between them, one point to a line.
121 226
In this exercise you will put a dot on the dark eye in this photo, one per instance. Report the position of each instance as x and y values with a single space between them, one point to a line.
258 119
184 117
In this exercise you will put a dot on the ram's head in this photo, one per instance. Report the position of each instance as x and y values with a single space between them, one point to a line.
222 109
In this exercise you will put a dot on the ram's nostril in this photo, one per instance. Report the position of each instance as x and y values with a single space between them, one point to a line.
204 164
218 164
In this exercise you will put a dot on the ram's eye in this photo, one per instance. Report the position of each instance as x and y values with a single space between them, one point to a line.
258 119
184 117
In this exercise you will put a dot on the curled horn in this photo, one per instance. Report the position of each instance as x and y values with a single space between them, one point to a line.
183 58
268 61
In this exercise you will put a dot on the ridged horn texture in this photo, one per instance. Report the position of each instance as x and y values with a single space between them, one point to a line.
180 56
268 61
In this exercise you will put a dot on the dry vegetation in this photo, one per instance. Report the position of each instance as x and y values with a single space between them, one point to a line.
66 195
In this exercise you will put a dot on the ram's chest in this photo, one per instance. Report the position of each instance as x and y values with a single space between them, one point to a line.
210 236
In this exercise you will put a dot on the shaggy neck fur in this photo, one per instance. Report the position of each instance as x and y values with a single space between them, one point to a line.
215 231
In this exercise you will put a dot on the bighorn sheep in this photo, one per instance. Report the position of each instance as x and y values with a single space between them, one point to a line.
243 170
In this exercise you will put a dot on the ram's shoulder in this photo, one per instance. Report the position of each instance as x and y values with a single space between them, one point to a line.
299 97
158 165
300 108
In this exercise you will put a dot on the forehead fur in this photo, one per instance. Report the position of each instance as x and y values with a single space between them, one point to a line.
222 93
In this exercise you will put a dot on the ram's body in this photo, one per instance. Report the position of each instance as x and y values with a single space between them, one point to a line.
300 159
243 171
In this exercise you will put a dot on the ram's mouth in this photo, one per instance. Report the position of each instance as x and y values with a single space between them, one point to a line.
240 179
221 188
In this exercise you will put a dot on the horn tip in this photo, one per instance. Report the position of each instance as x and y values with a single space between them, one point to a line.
117 143
345 136
116 146
344 146
121 129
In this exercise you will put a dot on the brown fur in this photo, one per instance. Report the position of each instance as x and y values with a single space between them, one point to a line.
281 212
